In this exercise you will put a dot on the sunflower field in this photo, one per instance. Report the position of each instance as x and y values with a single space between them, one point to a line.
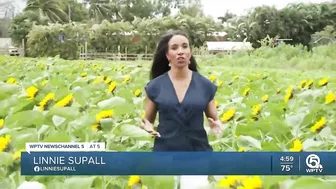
275 99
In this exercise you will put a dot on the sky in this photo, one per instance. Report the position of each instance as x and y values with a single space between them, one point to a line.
218 8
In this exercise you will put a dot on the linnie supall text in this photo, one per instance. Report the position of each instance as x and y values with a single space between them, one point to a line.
71 160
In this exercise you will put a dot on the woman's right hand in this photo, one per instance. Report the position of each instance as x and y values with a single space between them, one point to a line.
148 126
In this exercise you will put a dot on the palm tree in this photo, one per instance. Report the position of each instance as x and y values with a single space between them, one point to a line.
47 9
104 9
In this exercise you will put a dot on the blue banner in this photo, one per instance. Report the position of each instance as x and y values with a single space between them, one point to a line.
178 163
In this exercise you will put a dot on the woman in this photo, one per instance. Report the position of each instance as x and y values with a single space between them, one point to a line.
181 96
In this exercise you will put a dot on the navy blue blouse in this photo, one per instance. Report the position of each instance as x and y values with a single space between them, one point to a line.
181 124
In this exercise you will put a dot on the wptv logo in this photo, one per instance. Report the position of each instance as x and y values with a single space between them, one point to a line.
314 163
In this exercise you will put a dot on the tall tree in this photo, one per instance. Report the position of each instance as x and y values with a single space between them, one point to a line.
303 20
4 22
194 9
137 8
8 11
22 24
76 12
165 7
328 35
296 22
227 16
100 10
50 9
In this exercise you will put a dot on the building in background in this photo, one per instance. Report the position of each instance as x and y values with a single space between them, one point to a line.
217 43
227 47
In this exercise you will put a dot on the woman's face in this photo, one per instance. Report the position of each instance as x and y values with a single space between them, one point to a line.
178 51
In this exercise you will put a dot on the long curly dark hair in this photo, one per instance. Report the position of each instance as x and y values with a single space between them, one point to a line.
160 62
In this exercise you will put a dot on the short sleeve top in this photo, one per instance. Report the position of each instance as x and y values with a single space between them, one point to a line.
181 124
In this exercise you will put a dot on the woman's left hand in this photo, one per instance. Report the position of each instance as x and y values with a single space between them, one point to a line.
216 126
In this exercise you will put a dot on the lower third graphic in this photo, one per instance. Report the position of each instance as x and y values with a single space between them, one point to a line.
53 168
314 163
